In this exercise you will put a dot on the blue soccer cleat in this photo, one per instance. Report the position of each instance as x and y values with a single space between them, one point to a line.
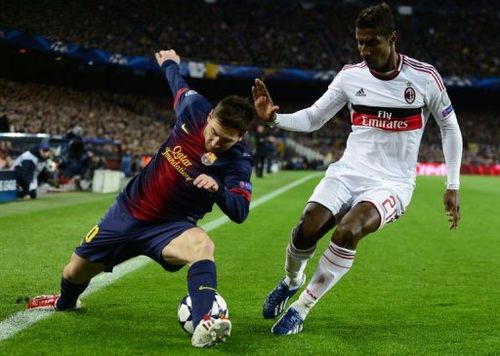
290 323
276 300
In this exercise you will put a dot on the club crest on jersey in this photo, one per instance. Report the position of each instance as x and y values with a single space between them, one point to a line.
410 95
208 158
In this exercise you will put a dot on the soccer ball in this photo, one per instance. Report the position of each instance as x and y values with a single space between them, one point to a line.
219 309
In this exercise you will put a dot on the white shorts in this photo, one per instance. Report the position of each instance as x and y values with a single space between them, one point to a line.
342 187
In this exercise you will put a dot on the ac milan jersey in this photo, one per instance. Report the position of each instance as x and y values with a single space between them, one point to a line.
388 115
164 188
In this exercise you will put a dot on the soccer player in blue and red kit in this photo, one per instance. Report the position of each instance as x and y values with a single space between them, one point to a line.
203 161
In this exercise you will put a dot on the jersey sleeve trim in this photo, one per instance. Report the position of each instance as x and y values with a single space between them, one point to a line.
351 66
426 69
178 96
244 193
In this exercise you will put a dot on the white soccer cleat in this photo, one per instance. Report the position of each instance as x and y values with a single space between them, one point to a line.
48 302
211 331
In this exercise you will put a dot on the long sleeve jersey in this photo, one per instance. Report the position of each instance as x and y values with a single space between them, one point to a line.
388 117
164 188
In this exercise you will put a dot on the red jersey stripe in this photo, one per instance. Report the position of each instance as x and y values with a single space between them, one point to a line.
244 193
409 123
178 95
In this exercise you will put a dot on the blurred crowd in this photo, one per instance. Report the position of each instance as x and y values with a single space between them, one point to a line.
458 37
138 125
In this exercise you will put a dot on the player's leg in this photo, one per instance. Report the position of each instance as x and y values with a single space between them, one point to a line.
333 265
372 209
195 248
101 249
328 202
75 279
315 221
259 166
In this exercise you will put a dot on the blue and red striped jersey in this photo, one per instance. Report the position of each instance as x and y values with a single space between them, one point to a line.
164 188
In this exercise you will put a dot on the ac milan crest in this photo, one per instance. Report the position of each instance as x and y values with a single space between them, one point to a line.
410 95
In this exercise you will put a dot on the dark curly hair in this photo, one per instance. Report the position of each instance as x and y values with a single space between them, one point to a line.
235 112
377 17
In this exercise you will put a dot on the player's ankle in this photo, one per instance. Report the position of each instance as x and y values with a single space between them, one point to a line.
302 309
304 304
62 304
294 282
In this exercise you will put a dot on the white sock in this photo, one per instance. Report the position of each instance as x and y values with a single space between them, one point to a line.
333 264
295 264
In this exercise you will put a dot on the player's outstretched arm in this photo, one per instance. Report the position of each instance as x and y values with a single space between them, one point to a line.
165 55
169 62
264 105
452 207
305 120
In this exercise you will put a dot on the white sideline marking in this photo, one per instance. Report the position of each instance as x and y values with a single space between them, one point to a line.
24 319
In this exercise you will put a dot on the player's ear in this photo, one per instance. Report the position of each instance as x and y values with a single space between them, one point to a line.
393 37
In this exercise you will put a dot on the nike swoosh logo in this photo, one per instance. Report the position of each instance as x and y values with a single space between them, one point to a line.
184 128
206 288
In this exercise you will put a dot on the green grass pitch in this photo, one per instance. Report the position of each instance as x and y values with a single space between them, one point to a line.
415 287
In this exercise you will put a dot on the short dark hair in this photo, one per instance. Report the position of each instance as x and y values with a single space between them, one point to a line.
378 17
235 112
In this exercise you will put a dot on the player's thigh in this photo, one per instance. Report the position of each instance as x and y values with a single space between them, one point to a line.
332 193
80 270
192 245
389 202
358 222
108 242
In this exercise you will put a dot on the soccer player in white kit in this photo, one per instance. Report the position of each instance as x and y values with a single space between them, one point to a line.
390 97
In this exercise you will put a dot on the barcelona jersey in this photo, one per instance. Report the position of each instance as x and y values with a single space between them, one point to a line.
164 188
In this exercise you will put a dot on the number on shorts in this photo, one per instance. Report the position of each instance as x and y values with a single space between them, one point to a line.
390 208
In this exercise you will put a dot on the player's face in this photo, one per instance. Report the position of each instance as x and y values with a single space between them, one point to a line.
219 138
376 50
45 153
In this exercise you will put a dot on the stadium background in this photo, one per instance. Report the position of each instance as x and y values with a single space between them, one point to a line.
90 65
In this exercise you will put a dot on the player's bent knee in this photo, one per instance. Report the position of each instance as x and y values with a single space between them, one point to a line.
348 234
193 245
314 223
70 274
80 270
204 249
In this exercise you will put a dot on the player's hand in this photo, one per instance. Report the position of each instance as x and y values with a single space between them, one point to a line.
263 103
165 55
206 182
452 207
